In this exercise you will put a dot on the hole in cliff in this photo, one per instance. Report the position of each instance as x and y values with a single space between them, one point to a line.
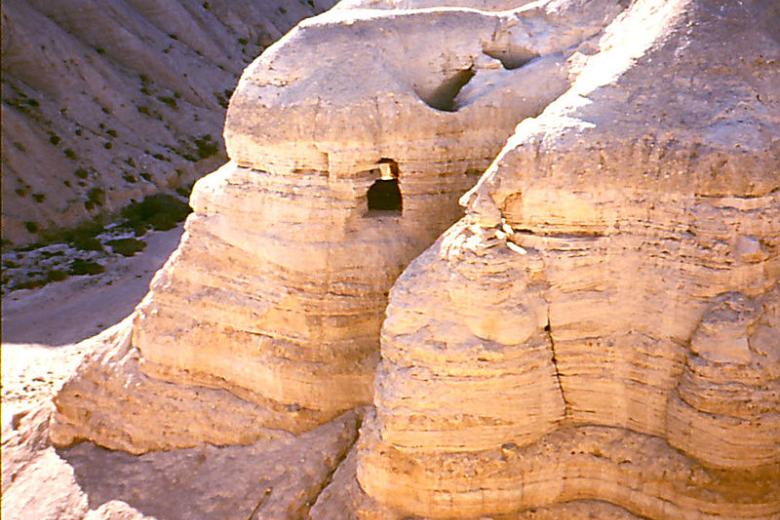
384 195
511 59
443 97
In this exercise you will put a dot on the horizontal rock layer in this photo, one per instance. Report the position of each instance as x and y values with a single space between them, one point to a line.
615 283
277 291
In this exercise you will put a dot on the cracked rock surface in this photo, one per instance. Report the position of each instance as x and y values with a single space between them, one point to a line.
603 324
276 294
596 338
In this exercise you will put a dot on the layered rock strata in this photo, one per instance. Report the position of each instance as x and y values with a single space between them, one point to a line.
278 289
603 325
597 337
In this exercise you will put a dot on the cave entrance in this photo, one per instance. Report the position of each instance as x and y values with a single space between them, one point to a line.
384 195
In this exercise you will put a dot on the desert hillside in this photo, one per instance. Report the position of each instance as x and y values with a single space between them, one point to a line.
106 101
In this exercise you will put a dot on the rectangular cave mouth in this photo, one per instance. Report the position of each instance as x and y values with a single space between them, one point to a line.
384 195
384 198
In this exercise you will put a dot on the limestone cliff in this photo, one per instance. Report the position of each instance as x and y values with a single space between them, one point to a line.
278 289
597 337
603 324
108 101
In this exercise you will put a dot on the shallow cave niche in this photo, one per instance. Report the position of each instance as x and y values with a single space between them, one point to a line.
384 195
443 97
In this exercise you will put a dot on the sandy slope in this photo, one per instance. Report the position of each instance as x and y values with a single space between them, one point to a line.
41 329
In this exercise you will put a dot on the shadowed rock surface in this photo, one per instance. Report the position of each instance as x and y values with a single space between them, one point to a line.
603 324
277 291
596 338
108 101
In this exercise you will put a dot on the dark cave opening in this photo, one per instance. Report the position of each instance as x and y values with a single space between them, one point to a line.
385 195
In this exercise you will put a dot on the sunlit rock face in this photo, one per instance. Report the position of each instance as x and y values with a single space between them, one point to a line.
350 140
604 324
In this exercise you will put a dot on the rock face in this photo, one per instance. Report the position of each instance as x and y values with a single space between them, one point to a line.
341 172
107 101
598 337
604 322
277 478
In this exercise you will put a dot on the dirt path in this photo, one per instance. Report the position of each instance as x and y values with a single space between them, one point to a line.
42 328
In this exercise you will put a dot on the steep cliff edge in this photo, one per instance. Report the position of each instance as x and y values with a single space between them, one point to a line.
596 338
604 322
346 163
108 101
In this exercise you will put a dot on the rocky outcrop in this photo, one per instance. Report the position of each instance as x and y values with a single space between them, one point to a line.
596 338
345 165
603 323
278 478
108 101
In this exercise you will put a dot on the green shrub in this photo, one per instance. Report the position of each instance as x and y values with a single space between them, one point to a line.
54 139
80 267
39 197
96 196
31 227
127 246
82 237
160 212
81 173
85 242
29 284
70 153
206 147
112 132
55 275
171 102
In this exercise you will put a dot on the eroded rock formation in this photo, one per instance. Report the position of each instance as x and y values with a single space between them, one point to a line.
277 292
598 337
604 322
